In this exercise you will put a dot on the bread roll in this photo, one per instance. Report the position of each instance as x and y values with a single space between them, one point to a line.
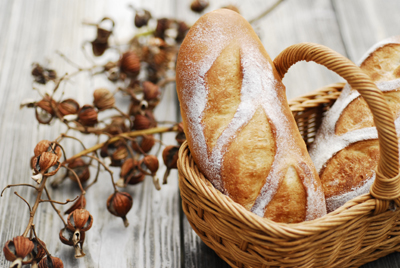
239 127
346 151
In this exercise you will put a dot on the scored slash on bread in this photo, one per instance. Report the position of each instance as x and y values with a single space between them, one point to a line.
239 127
345 151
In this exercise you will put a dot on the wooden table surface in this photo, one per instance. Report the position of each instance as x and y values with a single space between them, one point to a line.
159 234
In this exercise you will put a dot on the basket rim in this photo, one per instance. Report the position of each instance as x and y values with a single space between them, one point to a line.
361 205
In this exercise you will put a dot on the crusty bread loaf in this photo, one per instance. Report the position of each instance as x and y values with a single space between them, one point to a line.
346 151
239 127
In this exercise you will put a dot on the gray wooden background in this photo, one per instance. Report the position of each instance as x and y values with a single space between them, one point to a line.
158 235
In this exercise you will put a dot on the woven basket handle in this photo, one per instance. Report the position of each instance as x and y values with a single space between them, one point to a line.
387 182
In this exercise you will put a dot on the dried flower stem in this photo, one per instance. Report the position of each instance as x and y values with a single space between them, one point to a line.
109 170
54 207
266 12
122 136
23 199
20 184
35 206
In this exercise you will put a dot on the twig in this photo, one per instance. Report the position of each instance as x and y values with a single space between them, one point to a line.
129 134
266 12
29 206
54 207
20 184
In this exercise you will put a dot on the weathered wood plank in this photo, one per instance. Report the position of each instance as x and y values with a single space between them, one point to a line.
32 31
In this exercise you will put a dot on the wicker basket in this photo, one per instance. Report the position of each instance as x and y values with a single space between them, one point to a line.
364 229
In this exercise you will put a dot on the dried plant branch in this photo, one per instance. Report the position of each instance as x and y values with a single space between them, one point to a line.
19 184
29 206
266 12
54 207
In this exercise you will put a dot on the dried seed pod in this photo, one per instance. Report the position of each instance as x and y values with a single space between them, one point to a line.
144 121
160 58
151 91
47 146
103 99
38 252
73 238
18 250
47 104
46 164
144 143
117 126
157 42
142 17
162 25
43 75
170 158
199 5
130 64
81 168
151 162
87 116
80 219
183 28
180 137
44 111
100 44
120 153
130 173
51 262
78 204
119 204
68 106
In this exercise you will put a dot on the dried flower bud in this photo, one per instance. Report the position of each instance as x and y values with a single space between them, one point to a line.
144 143
38 251
130 173
119 204
199 5
151 91
233 8
130 64
80 219
47 146
87 116
51 262
68 106
46 164
73 238
17 250
103 99
142 17
151 162
79 203
144 121
81 169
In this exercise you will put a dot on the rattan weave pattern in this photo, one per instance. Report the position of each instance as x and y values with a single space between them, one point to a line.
364 229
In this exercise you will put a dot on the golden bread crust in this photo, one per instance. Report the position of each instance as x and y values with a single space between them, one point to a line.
238 124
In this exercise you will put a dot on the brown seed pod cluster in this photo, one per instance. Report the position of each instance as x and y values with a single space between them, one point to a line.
139 73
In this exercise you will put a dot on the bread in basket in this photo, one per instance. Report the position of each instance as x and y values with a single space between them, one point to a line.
364 229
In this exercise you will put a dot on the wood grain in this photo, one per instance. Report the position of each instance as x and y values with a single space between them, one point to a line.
159 234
